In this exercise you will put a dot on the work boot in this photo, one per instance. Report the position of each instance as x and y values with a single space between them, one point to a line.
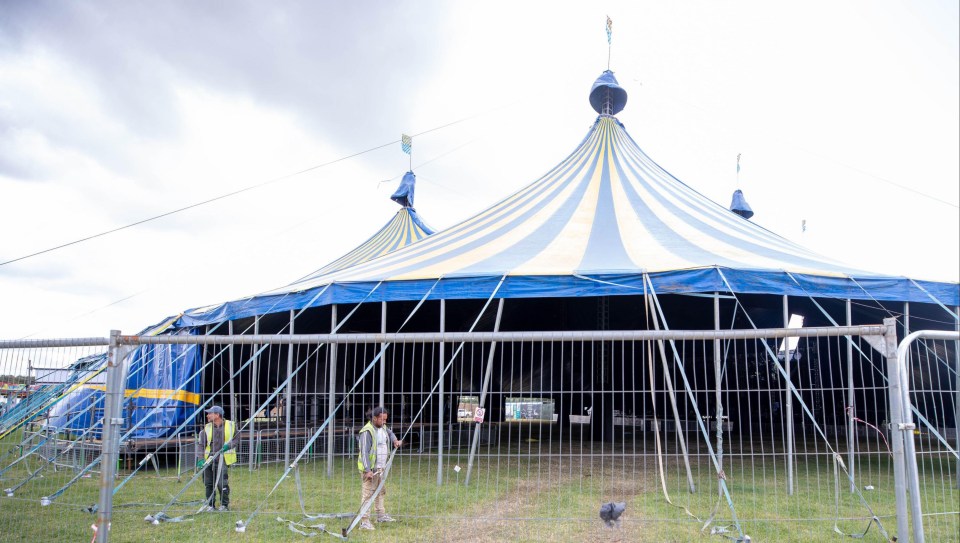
365 525
385 518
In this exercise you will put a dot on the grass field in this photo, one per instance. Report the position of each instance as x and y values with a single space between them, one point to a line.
517 495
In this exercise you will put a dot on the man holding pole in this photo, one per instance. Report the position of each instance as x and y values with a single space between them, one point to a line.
375 439
217 439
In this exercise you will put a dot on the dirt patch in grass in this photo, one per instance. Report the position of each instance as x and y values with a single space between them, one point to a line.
558 505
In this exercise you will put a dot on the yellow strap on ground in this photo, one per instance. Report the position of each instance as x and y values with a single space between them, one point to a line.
155 393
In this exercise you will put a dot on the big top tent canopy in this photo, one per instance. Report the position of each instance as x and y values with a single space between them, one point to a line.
596 224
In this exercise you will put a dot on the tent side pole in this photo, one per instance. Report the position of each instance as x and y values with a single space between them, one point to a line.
332 392
906 319
254 374
443 309
383 348
287 397
788 401
717 376
851 441
673 401
483 395
233 390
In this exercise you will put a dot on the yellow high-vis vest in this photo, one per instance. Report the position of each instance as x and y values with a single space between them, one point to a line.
372 458
230 457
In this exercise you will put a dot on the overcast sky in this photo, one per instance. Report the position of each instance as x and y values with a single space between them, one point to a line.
845 113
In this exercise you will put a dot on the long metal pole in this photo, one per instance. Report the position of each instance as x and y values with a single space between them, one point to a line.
956 397
383 349
233 391
717 375
851 403
332 392
906 319
254 373
788 400
896 435
112 420
443 310
483 394
287 397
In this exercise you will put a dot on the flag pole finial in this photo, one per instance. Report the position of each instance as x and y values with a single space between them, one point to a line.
406 143
609 39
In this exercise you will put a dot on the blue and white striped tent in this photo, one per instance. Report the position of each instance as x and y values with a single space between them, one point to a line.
594 225
404 228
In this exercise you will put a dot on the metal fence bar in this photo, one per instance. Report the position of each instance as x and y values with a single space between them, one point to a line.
112 421
907 427
487 337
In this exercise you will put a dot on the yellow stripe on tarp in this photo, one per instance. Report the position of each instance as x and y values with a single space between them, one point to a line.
155 393
53 401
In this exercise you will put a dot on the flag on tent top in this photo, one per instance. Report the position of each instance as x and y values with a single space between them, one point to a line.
406 143
609 30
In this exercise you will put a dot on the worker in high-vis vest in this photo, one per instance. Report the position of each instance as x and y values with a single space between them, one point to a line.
375 439
217 440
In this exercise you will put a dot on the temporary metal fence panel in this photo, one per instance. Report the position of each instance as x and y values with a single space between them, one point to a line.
37 457
538 431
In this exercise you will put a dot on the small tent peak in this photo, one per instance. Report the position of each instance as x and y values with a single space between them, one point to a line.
404 193
740 206
607 96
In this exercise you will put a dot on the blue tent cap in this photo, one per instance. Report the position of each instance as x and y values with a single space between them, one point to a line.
404 194
740 206
606 88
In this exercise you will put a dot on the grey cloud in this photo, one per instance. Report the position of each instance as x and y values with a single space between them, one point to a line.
320 60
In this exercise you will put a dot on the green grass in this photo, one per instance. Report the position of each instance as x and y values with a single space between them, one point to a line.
510 498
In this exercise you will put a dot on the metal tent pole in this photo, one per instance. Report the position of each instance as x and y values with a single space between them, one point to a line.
906 319
254 374
788 402
332 392
717 376
287 397
851 404
233 391
383 347
443 311
483 394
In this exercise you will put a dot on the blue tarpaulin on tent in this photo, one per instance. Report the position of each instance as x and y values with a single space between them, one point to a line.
161 393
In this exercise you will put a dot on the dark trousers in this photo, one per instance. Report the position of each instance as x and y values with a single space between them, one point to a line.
210 477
